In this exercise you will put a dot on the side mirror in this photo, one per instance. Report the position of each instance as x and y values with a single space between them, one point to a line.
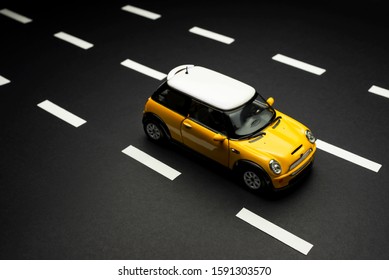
219 138
270 100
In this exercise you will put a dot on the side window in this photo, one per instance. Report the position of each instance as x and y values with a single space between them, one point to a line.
207 116
172 100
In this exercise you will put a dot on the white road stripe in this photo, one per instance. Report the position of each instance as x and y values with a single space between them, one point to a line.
298 64
275 231
347 156
73 40
15 16
151 162
211 35
61 113
379 91
143 69
4 81
141 12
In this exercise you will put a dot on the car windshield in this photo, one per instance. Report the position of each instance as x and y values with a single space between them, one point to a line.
250 119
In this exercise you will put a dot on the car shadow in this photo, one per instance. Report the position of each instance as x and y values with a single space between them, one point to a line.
215 168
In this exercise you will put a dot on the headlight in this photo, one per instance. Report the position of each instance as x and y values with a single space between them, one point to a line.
310 136
275 166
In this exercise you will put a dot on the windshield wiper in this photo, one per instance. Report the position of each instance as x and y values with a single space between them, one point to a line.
257 136
260 133
277 121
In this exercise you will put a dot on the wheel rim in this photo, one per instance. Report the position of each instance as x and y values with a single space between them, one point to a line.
252 180
153 131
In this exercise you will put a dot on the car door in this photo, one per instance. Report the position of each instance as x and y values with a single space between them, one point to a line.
203 131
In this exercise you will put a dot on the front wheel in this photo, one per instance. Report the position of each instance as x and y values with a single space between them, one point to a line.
254 179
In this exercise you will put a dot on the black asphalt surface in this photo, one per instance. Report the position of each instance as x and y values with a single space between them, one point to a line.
70 193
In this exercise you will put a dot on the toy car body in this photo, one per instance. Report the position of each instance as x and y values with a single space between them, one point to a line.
228 121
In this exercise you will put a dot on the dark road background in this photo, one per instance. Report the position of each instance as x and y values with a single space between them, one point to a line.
70 193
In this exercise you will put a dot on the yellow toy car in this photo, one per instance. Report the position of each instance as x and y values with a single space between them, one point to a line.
231 123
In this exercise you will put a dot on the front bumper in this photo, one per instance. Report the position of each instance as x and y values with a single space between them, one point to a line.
290 178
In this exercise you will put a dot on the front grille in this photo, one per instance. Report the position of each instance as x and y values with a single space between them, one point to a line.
297 162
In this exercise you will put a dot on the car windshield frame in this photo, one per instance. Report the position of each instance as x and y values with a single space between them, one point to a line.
248 120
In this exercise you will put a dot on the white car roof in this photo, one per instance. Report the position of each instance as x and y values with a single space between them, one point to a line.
211 87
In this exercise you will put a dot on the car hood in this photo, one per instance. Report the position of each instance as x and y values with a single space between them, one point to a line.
283 140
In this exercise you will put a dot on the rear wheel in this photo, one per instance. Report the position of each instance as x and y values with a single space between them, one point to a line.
154 131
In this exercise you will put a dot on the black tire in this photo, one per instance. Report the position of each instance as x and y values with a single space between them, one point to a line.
154 130
254 179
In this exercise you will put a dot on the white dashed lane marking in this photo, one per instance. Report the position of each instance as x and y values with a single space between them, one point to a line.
61 113
73 40
143 69
151 162
348 156
298 64
211 35
141 12
275 231
379 91
4 81
15 16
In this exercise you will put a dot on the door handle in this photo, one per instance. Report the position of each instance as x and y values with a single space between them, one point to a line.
187 125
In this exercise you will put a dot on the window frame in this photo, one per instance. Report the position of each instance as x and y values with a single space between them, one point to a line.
224 118
177 109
